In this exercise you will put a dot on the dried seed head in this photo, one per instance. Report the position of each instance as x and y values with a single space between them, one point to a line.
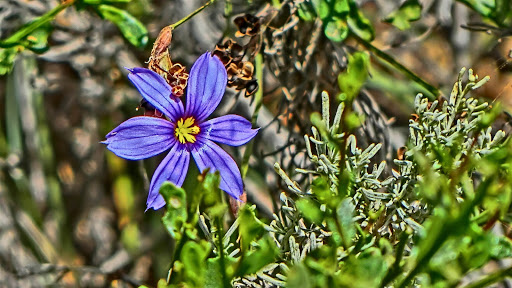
240 72
248 25
160 61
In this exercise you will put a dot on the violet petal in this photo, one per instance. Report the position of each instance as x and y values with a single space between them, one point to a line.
157 92
231 129
173 168
140 138
206 86
209 155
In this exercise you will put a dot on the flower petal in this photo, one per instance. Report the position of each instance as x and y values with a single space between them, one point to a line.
173 168
231 129
140 138
206 86
157 92
208 154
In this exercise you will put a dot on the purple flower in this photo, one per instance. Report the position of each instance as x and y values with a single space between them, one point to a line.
186 130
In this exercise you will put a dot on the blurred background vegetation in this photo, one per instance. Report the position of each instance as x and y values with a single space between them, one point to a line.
72 213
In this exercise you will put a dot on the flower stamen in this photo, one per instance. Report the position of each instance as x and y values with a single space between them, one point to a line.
186 130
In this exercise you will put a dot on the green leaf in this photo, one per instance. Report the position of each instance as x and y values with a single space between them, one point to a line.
322 191
162 283
37 41
326 9
353 78
210 188
336 29
503 12
353 120
133 30
30 27
193 256
310 210
212 196
345 214
483 7
501 248
97 2
341 6
408 12
214 273
7 57
307 11
250 227
130 237
323 9
299 277
264 252
333 14
176 214
345 184
359 24
357 270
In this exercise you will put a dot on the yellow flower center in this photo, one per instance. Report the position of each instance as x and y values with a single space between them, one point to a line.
186 130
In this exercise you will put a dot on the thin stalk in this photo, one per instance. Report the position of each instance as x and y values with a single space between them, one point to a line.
491 278
12 116
30 27
220 247
186 18
395 268
258 100
176 256
343 190
388 58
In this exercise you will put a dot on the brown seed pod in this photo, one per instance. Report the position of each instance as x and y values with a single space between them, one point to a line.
240 72
160 62
248 25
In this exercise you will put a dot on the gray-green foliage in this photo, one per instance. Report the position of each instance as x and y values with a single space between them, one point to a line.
426 223
441 193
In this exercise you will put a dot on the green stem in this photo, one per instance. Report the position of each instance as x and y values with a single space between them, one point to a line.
30 27
258 100
176 255
395 269
431 249
186 18
344 241
492 278
220 248
388 58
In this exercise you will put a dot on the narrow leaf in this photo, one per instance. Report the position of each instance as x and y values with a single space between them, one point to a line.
133 30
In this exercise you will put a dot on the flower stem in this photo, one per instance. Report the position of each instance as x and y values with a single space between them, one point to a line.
258 100
186 18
